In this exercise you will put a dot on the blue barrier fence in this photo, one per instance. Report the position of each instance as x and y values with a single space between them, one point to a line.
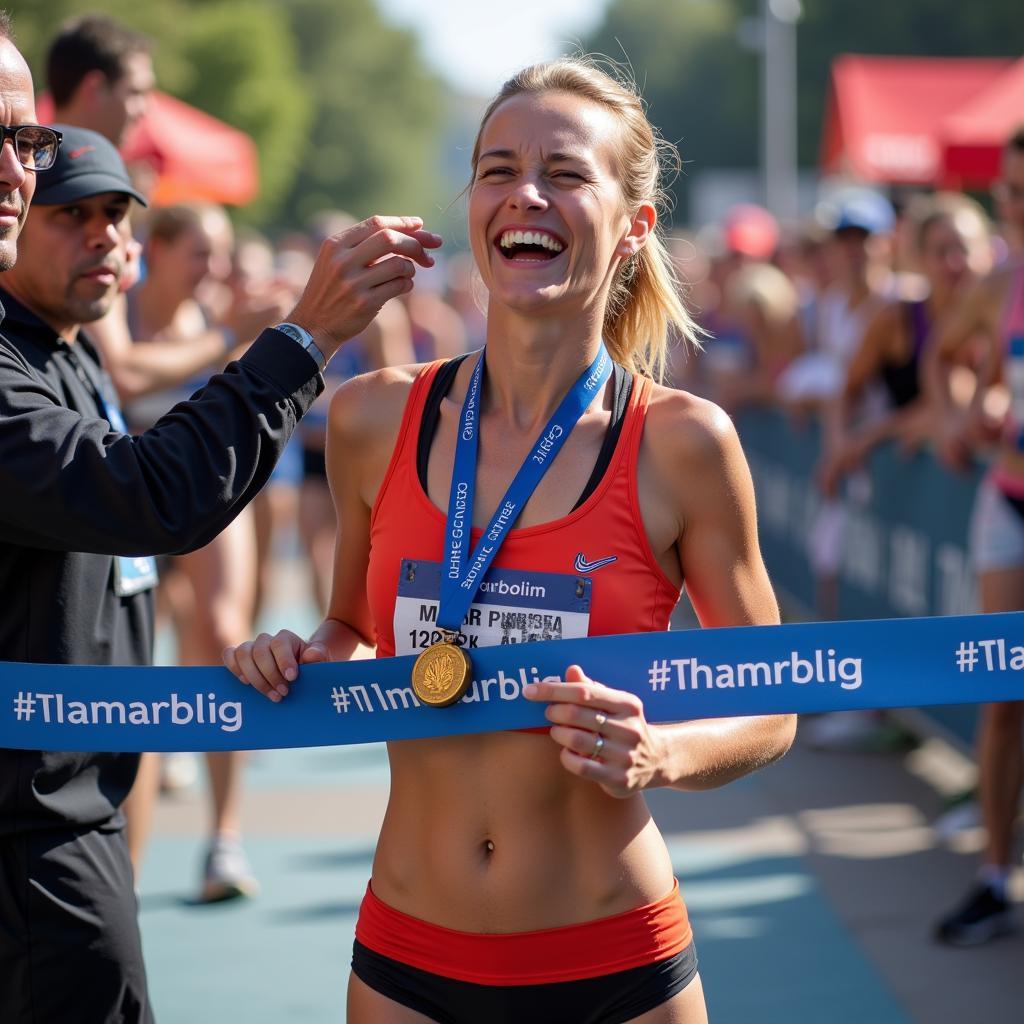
903 542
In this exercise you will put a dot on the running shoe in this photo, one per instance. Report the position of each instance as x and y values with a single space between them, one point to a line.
982 916
962 816
226 873
178 773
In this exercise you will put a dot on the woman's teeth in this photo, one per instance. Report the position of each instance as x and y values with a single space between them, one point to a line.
509 239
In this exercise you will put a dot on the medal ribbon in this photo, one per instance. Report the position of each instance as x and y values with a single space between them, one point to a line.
463 573
680 675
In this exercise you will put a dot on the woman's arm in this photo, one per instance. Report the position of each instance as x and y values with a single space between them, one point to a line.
728 585
974 317
845 444
704 476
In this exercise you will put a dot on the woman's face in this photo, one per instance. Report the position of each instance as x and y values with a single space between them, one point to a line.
547 221
198 253
952 252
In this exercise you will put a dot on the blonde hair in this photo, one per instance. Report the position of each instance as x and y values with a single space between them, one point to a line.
644 304
965 213
766 287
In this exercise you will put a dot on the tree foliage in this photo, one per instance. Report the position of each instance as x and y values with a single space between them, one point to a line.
338 102
702 85
374 141
254 86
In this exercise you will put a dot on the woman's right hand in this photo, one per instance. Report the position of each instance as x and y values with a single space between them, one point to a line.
271 663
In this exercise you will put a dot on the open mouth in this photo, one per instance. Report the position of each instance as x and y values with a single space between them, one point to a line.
529 246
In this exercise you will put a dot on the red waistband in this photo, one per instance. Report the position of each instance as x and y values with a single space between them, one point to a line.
646 935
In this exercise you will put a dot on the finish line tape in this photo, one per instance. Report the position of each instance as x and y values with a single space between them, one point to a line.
680 675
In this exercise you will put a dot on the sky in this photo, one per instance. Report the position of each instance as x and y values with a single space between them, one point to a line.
476 45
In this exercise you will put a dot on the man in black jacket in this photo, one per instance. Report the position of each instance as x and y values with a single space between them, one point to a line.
84 505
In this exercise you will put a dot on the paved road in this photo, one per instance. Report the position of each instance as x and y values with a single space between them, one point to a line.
812 887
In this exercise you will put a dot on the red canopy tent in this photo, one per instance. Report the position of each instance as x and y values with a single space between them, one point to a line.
195 157
884 114
974 135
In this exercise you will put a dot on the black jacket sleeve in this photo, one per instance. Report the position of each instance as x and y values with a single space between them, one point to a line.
70 483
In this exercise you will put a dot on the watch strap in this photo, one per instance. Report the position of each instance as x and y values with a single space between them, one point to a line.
304 339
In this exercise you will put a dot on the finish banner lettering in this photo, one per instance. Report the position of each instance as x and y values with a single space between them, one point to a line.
680 675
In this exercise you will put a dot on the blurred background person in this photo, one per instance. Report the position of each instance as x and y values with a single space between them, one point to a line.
802 255
994 311
738 351
466 293
275 508
859 222
438 331
951 249
765 305
100 74
211 593
388 341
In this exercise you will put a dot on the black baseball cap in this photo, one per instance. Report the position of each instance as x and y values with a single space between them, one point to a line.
87 165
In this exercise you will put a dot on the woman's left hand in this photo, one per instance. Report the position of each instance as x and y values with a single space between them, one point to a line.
603 733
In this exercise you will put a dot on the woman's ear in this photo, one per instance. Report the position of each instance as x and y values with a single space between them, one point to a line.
640 226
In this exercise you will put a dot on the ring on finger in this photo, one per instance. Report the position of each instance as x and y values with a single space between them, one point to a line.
601 719
598 746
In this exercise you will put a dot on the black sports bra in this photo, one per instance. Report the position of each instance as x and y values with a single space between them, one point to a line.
441 385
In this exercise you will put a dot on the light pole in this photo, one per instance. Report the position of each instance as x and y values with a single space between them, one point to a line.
778 106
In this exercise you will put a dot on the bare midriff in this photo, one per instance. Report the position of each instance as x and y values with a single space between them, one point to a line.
491 834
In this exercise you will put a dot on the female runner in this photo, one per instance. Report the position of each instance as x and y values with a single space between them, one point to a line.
520 875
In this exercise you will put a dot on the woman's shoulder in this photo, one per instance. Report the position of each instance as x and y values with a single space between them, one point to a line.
372 404
685 431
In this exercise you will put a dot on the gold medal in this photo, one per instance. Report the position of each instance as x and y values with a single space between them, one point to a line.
441 674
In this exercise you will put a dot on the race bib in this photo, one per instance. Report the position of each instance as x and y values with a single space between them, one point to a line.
511 607
132 575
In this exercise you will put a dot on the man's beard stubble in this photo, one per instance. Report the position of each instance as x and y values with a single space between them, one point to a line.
9 235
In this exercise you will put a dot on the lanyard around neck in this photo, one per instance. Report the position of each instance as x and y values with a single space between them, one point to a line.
464 571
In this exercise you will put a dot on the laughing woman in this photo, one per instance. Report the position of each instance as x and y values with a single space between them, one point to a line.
519 875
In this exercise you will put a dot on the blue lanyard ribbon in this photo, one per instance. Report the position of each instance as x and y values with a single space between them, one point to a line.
464 573
713 673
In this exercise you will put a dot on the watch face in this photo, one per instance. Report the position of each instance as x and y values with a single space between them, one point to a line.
292 331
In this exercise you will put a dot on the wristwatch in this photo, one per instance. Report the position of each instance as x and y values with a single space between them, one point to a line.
302 337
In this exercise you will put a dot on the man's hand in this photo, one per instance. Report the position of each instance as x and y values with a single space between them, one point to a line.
356 272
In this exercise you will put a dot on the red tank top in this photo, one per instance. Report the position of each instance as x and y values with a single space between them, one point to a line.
604 538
